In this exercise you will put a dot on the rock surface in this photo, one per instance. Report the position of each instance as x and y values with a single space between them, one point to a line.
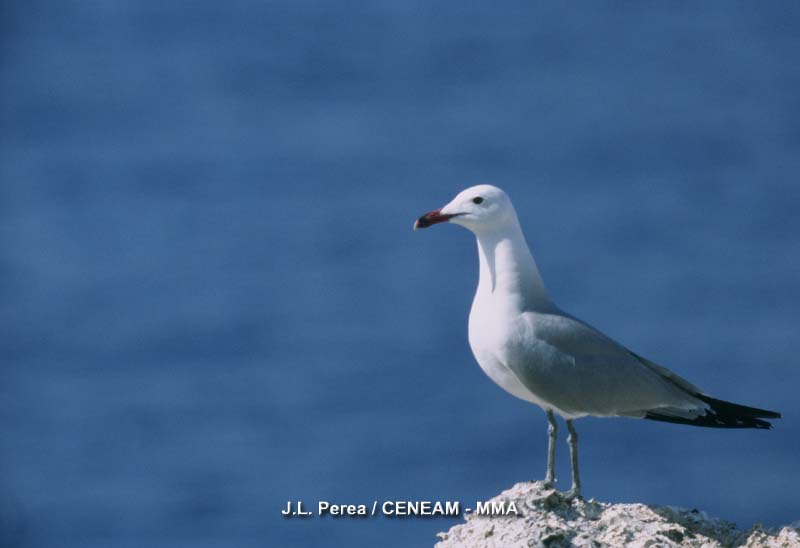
546 519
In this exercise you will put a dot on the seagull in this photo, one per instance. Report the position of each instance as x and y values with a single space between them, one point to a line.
537 352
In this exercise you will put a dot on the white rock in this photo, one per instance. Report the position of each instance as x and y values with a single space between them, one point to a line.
545 519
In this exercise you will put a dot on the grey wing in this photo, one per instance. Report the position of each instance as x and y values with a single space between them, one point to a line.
580 371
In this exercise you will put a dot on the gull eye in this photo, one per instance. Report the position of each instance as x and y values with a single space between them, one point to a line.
477 200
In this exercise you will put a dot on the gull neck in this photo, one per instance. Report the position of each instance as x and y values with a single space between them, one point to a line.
508 269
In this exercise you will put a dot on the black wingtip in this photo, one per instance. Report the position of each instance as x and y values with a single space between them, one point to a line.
730 408
722 414
712 421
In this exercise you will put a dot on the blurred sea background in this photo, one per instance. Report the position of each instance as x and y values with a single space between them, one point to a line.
213 302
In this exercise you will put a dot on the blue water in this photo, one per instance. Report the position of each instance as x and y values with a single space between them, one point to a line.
213 302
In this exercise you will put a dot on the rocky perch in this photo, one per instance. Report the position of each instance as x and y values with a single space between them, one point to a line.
545 518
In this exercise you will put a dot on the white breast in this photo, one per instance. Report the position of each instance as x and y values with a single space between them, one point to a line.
489 328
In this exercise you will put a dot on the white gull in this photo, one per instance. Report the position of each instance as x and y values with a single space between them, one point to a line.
539 353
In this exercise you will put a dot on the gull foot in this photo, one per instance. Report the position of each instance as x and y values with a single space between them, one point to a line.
549 484
573 494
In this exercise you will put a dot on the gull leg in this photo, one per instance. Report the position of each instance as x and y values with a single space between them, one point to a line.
572 440
552 434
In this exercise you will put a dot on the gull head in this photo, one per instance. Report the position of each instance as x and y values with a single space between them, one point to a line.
479 208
